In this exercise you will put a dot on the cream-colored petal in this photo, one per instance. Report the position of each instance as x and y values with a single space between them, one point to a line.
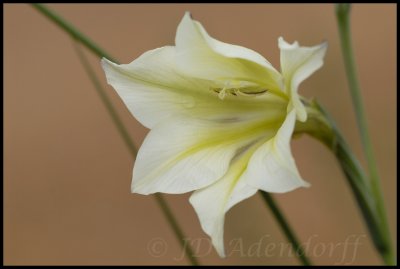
183 154
212 202
153 90
268 166
272 167
297 64
149 86
202 56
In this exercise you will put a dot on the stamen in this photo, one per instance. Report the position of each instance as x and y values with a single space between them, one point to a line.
238 88
222 94
250 94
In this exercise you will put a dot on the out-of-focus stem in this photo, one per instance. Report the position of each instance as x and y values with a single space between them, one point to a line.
343 19
132 149
287 230
72 31
320 126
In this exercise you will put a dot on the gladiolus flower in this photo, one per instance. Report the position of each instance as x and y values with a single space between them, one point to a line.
221 119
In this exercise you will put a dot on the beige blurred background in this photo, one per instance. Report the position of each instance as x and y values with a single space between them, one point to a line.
68 172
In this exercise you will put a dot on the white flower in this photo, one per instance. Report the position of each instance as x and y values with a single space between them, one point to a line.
221 120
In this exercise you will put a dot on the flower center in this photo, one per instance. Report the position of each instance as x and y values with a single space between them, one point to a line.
238 88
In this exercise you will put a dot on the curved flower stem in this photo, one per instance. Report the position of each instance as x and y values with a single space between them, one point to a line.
106 101
291 237
343 18
162 203
320 126
74 33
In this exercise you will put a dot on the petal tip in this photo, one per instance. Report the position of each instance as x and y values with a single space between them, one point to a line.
106 64
104 60
323 46
134 189
219 246
285 45
139 190
187 17
221 254
188 14
304 183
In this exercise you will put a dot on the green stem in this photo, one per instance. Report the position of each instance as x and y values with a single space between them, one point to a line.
162 203
177 230
343 18
291 237
321 126
106 101
72 31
